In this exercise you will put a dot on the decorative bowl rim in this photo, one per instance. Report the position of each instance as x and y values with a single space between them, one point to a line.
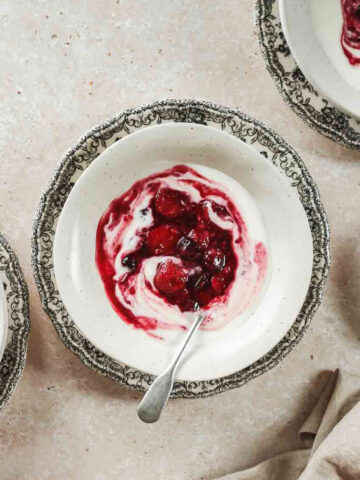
194 111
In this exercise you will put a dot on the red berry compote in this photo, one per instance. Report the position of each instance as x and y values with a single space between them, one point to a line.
177 243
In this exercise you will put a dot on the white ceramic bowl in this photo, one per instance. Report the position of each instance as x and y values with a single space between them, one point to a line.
212 354
312 29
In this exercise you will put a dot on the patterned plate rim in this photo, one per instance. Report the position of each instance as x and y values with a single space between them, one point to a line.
251 131
297 92
17 297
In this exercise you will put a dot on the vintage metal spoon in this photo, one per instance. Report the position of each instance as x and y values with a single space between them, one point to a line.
159 391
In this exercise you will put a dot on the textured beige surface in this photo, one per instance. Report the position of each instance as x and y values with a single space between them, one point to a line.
67 65
329 438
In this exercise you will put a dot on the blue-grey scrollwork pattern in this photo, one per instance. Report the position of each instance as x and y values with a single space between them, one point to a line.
17 299
268 143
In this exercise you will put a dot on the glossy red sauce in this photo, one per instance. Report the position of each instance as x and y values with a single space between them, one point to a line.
350 36
198 263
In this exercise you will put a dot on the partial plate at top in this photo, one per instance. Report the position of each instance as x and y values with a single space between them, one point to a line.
293 52
313 29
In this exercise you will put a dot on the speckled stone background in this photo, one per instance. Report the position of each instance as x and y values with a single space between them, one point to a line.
67 65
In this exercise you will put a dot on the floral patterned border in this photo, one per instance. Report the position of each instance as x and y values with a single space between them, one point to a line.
297 92
264 140
16 292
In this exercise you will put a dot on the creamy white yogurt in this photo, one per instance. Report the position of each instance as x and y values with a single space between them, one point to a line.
141 296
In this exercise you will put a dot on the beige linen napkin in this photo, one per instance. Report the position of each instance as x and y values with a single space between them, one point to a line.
330 437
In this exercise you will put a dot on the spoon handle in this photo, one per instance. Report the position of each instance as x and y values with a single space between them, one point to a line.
159 391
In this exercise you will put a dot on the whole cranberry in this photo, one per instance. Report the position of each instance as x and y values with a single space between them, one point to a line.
187 248
170 203
200 235
215 259
170 278
201 281
162 240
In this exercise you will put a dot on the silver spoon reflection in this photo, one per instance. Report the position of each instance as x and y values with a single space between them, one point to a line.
156 397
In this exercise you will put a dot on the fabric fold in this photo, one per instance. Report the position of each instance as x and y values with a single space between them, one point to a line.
330 438
308 432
